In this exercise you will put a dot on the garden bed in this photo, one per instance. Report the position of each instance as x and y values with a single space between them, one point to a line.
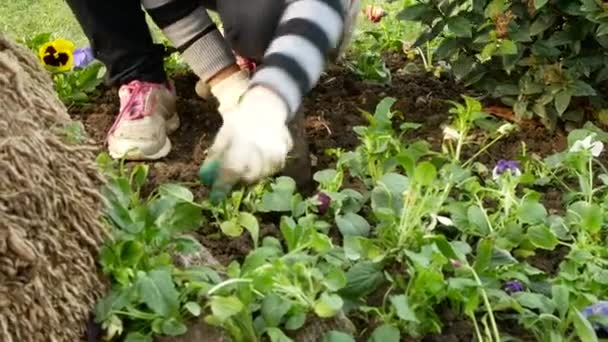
332 110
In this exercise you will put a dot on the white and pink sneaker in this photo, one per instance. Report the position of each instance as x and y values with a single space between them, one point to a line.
147 115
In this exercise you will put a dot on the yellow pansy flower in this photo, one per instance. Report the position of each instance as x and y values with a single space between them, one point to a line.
57 55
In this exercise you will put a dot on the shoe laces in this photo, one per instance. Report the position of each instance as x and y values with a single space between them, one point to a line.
133 101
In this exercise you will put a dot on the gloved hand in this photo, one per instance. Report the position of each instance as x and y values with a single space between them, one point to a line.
227 91
253 142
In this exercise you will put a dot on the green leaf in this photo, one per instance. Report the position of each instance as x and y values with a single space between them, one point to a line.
362 279
385 333
580 88
460 26
131 252
328 305
225 307
561 298
535 301
506 48
477 218
158 292
183 217
274 308
138 337
538 4
277 335
532 212
425 173
249 222
590 216
562 101
582 327
194 308
176 191
542 23
414 12
187 244
279 199
337 336
495 7
402 306
325 177
352 224
485 249
602 30
139 174
296 321
231 228
173 327
447 249
542 237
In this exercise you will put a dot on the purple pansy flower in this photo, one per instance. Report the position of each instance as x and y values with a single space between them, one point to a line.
514 286
504 165
83 57
598 309
323 203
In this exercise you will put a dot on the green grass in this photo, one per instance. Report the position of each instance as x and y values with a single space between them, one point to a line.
26 18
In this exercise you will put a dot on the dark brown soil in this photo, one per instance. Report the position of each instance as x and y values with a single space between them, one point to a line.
332 110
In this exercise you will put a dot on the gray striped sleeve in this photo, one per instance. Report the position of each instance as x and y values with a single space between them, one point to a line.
296 57
189 28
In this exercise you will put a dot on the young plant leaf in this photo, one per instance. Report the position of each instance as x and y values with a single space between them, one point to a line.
277 335
582 326
352 224
173 327
403 308
176 191
337 336
274 308
225 307
328 305
249 222
542 237
484 256
158 291
425 173
231 228
138 337
385 333
532 212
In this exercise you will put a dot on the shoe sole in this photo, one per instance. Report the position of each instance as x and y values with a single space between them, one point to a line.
137 154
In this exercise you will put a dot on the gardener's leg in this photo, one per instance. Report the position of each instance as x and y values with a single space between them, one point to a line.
120 38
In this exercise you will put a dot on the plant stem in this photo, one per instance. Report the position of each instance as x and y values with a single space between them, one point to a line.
482 150
486 303
476 326
226 283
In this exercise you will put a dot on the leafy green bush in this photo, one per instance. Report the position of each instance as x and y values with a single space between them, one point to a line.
535 55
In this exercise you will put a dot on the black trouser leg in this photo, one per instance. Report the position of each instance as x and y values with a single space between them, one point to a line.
120 38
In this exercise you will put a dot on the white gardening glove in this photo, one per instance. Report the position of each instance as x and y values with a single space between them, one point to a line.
227 92
253 142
